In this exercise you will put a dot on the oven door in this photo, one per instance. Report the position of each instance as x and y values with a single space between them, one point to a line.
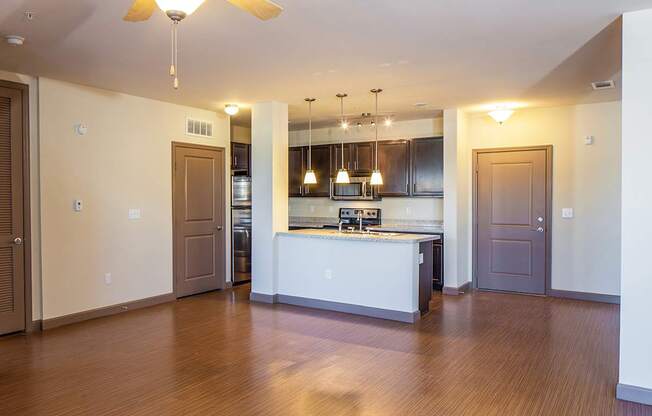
241 254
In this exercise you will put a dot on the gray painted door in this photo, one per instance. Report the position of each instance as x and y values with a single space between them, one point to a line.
511 223
199 219
12 252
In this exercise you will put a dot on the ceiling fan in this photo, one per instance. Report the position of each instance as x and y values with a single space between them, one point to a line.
177 10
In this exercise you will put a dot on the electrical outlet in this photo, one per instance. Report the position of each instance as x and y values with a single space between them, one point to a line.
107 279
77 205
328 274
420 258
567 213
588 140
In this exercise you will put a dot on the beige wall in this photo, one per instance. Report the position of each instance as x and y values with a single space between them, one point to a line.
585 249
423 209
123 162
35 217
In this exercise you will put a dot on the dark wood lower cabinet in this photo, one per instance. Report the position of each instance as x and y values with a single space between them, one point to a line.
438 263
425 276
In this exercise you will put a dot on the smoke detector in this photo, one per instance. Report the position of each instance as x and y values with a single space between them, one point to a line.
603 85
14 40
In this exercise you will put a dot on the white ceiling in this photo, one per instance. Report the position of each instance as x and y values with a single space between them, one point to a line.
444 53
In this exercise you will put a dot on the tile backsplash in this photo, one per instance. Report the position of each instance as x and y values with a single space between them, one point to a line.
422 209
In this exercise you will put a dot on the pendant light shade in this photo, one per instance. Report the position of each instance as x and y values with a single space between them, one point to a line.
342 174
310 178
376 177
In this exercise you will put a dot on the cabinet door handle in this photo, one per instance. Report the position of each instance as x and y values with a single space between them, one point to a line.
235 158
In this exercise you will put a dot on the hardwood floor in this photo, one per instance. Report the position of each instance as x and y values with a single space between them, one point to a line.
217 354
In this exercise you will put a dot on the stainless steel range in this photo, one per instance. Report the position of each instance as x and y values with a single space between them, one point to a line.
360 217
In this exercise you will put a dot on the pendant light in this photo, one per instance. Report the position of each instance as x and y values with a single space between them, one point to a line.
376 176
310 178
342 174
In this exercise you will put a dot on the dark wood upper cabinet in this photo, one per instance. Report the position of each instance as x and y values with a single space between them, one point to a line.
321 164
358 158
336 157
428 166
240 156
364 157
296 170
394 164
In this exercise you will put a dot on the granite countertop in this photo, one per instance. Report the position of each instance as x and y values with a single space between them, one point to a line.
372 237
388 225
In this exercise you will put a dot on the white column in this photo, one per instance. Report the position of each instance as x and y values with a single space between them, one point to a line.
457 214
635 378
269 158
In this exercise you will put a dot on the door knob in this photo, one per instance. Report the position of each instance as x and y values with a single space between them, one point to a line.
540 219
219 228
18 241
540 229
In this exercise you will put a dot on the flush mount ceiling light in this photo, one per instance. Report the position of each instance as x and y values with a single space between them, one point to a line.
501 115
14 40
310 178
376 176
231 109
177 10
342 174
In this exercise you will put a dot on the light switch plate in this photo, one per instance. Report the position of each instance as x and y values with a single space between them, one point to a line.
588 140
134 213
567 213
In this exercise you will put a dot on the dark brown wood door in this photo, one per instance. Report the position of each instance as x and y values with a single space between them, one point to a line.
363 161
428 166
199 197
321 164
296 171
240 156
336 154
12 252
394 164
511 221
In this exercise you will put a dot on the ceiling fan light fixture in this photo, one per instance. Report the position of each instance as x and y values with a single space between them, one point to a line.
179 9
231 109
501 115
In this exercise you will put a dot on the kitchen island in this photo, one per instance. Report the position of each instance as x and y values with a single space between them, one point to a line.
384 275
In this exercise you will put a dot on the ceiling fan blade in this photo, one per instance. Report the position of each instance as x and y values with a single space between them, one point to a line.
140 10
262 9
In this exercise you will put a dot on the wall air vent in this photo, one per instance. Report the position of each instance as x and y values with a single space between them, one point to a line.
199 128
603 85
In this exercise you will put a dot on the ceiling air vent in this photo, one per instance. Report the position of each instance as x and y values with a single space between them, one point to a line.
199 128
603 85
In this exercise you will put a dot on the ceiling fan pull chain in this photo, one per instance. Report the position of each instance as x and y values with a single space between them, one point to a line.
176 55
173 70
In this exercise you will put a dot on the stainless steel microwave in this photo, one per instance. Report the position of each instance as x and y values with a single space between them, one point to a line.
359 188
